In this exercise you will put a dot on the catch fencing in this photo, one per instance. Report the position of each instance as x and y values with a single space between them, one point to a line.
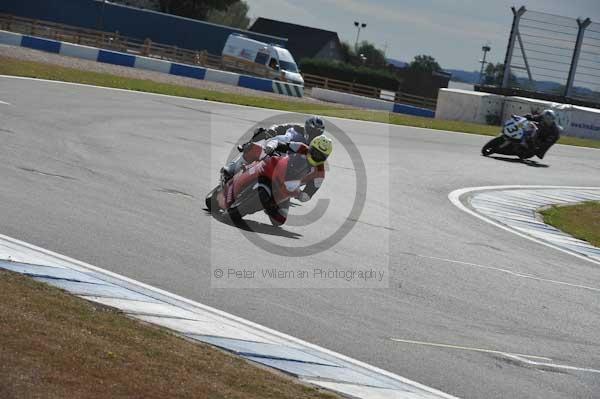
553 55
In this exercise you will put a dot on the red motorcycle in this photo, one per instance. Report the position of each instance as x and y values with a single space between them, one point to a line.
267 184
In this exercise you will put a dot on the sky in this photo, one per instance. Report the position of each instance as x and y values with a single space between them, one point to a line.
451 31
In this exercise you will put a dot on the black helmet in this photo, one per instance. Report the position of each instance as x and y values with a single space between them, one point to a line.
313 127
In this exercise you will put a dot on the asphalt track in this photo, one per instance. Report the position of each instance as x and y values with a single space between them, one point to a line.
117 179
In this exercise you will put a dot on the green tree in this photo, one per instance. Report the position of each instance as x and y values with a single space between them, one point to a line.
236 15
424 63
494 75
374 57
348 55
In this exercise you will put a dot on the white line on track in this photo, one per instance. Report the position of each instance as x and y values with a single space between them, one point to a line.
455 195
510 272
4 102
548 366
518 358
466 348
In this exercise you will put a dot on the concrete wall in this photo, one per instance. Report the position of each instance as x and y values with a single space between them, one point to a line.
585 122
352 99
369 103
470 106
522 105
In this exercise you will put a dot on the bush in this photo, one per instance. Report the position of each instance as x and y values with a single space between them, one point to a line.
493 119
350 73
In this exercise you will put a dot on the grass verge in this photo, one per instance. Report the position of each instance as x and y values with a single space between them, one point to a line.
55 345
581 221
11 66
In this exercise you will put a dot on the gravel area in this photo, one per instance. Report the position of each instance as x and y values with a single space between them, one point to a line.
70 62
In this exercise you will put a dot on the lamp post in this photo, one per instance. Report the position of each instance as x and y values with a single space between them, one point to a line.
485 50
359 26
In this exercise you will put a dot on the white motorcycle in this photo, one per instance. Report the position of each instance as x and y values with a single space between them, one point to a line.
517 138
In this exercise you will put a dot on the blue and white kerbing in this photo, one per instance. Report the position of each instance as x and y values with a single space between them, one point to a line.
151 64
515 209
197 322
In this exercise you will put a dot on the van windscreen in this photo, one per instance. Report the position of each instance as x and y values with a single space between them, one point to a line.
288 66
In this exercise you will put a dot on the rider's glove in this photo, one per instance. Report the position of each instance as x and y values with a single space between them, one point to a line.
302 196
243 147
259 131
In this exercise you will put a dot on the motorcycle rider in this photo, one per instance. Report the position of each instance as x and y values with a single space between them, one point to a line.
307 161
285 133
548 131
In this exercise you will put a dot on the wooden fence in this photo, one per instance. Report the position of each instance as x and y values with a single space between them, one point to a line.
117 42
368 91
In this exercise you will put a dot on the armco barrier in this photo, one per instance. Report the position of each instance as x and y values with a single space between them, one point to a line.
152 64
369 103
472 106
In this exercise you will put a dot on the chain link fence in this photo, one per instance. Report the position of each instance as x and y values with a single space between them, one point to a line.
553 57
586 82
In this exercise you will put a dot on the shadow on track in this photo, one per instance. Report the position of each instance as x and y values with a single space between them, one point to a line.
527 162
256 227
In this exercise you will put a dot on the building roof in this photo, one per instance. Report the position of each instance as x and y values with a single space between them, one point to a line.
303 41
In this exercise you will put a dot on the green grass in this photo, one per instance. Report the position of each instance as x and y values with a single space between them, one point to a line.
581 221
11 66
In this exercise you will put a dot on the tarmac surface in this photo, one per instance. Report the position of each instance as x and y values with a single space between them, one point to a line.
117 179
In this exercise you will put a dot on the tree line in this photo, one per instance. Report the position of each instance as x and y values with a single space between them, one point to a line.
225 12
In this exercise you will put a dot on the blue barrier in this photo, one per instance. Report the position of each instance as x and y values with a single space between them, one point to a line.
36 43
111 57
187 71
411 110
250 82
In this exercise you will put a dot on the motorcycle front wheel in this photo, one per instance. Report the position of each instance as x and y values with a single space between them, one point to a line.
492 146
211 200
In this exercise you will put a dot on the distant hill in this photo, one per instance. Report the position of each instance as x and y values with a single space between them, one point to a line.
459 75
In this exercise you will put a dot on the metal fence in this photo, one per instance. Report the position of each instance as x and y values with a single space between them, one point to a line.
554 55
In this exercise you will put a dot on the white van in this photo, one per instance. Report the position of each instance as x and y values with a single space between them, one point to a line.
272 56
